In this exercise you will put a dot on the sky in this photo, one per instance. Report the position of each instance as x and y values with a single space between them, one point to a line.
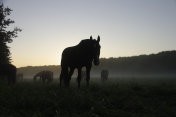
126 28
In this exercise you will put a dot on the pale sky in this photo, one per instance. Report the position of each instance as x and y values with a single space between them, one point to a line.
126 27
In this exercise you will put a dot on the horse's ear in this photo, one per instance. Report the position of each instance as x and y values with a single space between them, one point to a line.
98 39
91 37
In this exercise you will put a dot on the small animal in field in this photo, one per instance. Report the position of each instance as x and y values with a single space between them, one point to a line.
19 76
8 71
104 75
44 76
76 57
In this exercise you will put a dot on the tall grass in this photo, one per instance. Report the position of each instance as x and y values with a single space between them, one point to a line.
116 98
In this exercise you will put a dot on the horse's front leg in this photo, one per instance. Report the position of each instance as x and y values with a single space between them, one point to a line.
87 75
71 73
61 77
64 76
79 77
43 79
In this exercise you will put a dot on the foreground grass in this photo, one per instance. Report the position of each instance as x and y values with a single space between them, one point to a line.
130 99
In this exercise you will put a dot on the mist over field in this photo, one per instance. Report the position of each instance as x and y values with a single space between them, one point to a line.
158 65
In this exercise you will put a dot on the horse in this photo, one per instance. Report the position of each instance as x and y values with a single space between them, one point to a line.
49 76
9 71
104 75
19 76
81 55
44 76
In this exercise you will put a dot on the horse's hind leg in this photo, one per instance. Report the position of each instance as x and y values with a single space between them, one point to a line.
79 77
87 76
70 73
43 79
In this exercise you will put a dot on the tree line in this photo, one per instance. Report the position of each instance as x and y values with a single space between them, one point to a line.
160 63
154 63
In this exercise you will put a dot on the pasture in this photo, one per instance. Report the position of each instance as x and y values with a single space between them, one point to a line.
118 97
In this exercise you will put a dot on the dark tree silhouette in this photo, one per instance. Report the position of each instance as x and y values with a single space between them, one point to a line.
6 36
6 69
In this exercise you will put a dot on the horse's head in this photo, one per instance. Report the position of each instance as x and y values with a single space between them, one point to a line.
96 50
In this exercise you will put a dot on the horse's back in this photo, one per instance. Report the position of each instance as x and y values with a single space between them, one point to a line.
68 55
74 57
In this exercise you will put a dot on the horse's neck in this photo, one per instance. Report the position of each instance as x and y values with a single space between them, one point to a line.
84 45
84 49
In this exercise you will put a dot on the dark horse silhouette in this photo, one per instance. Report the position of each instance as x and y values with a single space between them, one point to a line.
9 71
44 76
83 54
19 76
104 75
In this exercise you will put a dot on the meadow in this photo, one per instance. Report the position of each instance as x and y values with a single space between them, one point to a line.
118 97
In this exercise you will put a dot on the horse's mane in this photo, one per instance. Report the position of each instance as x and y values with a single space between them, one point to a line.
86 42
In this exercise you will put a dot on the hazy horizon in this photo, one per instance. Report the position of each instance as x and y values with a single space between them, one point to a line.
100 58
126 28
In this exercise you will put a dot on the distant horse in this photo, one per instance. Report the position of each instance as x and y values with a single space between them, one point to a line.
19 76
9 71
104 75
83 54
44 76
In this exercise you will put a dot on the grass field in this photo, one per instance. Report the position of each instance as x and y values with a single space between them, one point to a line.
116 98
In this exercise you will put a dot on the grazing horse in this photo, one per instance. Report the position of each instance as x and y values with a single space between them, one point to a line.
9 71
83 54
104 75
44 75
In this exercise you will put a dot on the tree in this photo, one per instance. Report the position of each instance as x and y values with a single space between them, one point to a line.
6 36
